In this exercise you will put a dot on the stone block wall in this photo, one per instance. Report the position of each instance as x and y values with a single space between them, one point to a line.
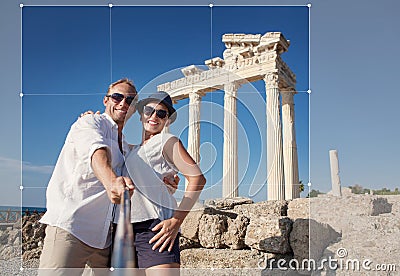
225 228
236 233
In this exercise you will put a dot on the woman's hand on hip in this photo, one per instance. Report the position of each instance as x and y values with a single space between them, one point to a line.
165 238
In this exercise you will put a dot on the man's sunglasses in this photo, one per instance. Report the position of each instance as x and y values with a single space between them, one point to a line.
117 97
148 111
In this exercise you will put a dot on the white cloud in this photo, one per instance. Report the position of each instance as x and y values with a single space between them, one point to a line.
14 165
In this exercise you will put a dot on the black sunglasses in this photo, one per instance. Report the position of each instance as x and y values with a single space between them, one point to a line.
148 111
117 97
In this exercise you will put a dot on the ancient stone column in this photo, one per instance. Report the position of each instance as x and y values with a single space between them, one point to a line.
194 127
334 161
230 161
290 161
275 173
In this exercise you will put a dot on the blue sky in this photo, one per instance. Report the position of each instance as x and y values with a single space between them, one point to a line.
62 59
68 64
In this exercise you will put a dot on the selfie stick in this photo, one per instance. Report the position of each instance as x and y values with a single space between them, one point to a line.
123 255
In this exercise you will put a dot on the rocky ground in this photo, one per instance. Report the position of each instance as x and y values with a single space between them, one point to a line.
21 260
370 227
249 238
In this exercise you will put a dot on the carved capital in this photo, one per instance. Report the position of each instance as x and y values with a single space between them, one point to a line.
231 88
271 80
194 97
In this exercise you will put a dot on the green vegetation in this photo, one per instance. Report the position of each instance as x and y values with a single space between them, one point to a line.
358 189
385 191
301 186
314 193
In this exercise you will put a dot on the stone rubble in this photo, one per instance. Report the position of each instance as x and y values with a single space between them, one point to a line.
240 234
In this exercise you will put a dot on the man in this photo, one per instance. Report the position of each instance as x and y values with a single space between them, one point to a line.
85 183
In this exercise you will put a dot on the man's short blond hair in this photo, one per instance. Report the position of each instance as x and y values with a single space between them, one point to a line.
124 80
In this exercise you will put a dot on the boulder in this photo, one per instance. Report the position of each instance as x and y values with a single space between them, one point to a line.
32 254
27 230
227 203
272 208
8 252
220 258
211 230
269 234
380 206
185 243
17 224
321 236
39 231
33 234
190 226
4 237
236 232
298 208
13 235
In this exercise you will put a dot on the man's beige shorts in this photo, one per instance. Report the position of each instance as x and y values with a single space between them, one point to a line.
62 250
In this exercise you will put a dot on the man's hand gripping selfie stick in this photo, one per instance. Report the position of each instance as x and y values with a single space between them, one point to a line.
124 253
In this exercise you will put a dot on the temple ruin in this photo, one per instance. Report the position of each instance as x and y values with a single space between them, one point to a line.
247 58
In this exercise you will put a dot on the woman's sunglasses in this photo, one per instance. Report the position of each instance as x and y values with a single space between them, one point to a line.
117 97
148 111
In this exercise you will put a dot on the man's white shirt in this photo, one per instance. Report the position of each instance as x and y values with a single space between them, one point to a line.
76 200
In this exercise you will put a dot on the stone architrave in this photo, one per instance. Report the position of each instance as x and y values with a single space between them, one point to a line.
230 161
194 127
336 187
292 188
275 173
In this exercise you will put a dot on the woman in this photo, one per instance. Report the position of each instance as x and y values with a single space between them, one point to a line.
155 215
